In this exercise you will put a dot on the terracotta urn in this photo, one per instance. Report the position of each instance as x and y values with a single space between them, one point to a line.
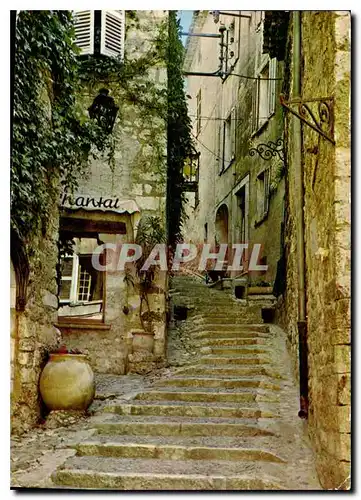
67 382
142 341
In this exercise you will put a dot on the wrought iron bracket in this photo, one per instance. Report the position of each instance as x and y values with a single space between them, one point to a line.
269 150
320 117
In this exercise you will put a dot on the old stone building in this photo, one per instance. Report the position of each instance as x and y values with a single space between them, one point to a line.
315 308
94 311
291 196
240 193
134 187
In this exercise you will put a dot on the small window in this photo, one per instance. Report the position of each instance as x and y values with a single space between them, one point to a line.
263 194
199 110
264 95
110 24
229 140
81 286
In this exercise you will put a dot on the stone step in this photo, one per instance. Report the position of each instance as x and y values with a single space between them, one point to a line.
218 381
206 397
226 334
225 370
170 448
184 409
211 327
156 475
244 359
232 342
231 350
182 426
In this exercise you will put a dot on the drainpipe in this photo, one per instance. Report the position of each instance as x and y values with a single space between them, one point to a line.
300 222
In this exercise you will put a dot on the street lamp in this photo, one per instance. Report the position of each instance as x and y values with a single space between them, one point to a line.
104 110
191 171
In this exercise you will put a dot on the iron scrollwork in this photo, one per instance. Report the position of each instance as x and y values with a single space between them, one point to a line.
269 150
320 118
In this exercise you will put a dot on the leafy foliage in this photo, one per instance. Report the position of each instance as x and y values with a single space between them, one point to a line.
178 133
53 139
150 232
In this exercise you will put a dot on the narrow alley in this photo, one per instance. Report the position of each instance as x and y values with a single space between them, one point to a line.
180 250
225 420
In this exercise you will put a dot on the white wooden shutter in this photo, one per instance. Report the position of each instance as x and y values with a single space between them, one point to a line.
272 85
255 105
113 31
84 30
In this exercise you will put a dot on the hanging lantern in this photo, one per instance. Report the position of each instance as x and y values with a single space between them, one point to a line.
191 171
104 110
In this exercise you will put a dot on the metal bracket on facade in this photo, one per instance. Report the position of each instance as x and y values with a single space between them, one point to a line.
269 150
320 118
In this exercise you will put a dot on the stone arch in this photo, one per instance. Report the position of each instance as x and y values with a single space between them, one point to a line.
222 223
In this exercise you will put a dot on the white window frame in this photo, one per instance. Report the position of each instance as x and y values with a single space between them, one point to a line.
259 121
73 278
228 141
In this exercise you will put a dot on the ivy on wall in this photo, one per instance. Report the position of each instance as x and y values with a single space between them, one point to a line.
179 140
53 139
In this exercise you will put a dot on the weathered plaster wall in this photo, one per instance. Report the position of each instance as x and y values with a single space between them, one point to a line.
326 72
138 174
218 99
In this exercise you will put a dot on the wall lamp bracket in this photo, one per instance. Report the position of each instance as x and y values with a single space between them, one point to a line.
269 150
317 113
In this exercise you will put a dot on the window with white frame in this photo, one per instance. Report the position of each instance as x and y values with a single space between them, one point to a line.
228 140
100 32
80 282
264 94
263 182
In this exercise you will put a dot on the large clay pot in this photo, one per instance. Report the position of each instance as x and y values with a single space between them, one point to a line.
67 382
142 341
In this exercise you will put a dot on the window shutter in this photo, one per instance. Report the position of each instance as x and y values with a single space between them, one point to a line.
84 30
255 105
272 85
113 31
233 132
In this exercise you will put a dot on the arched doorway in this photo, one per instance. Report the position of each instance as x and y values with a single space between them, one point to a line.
222 225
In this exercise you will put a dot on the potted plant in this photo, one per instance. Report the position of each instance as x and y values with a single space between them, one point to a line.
67 381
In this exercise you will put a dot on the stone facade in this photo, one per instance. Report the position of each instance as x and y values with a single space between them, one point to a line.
237 203
137 178
326 58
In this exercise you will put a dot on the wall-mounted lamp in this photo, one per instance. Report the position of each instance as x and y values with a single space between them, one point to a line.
104 110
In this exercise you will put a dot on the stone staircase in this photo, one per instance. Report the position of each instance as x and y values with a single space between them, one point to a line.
227 420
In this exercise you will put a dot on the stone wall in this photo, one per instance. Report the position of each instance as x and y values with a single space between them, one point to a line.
33 332
138 174
326 72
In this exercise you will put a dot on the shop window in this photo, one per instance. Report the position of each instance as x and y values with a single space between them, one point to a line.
81 286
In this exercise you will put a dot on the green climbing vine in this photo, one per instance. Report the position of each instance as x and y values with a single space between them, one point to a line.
52 136
178 132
